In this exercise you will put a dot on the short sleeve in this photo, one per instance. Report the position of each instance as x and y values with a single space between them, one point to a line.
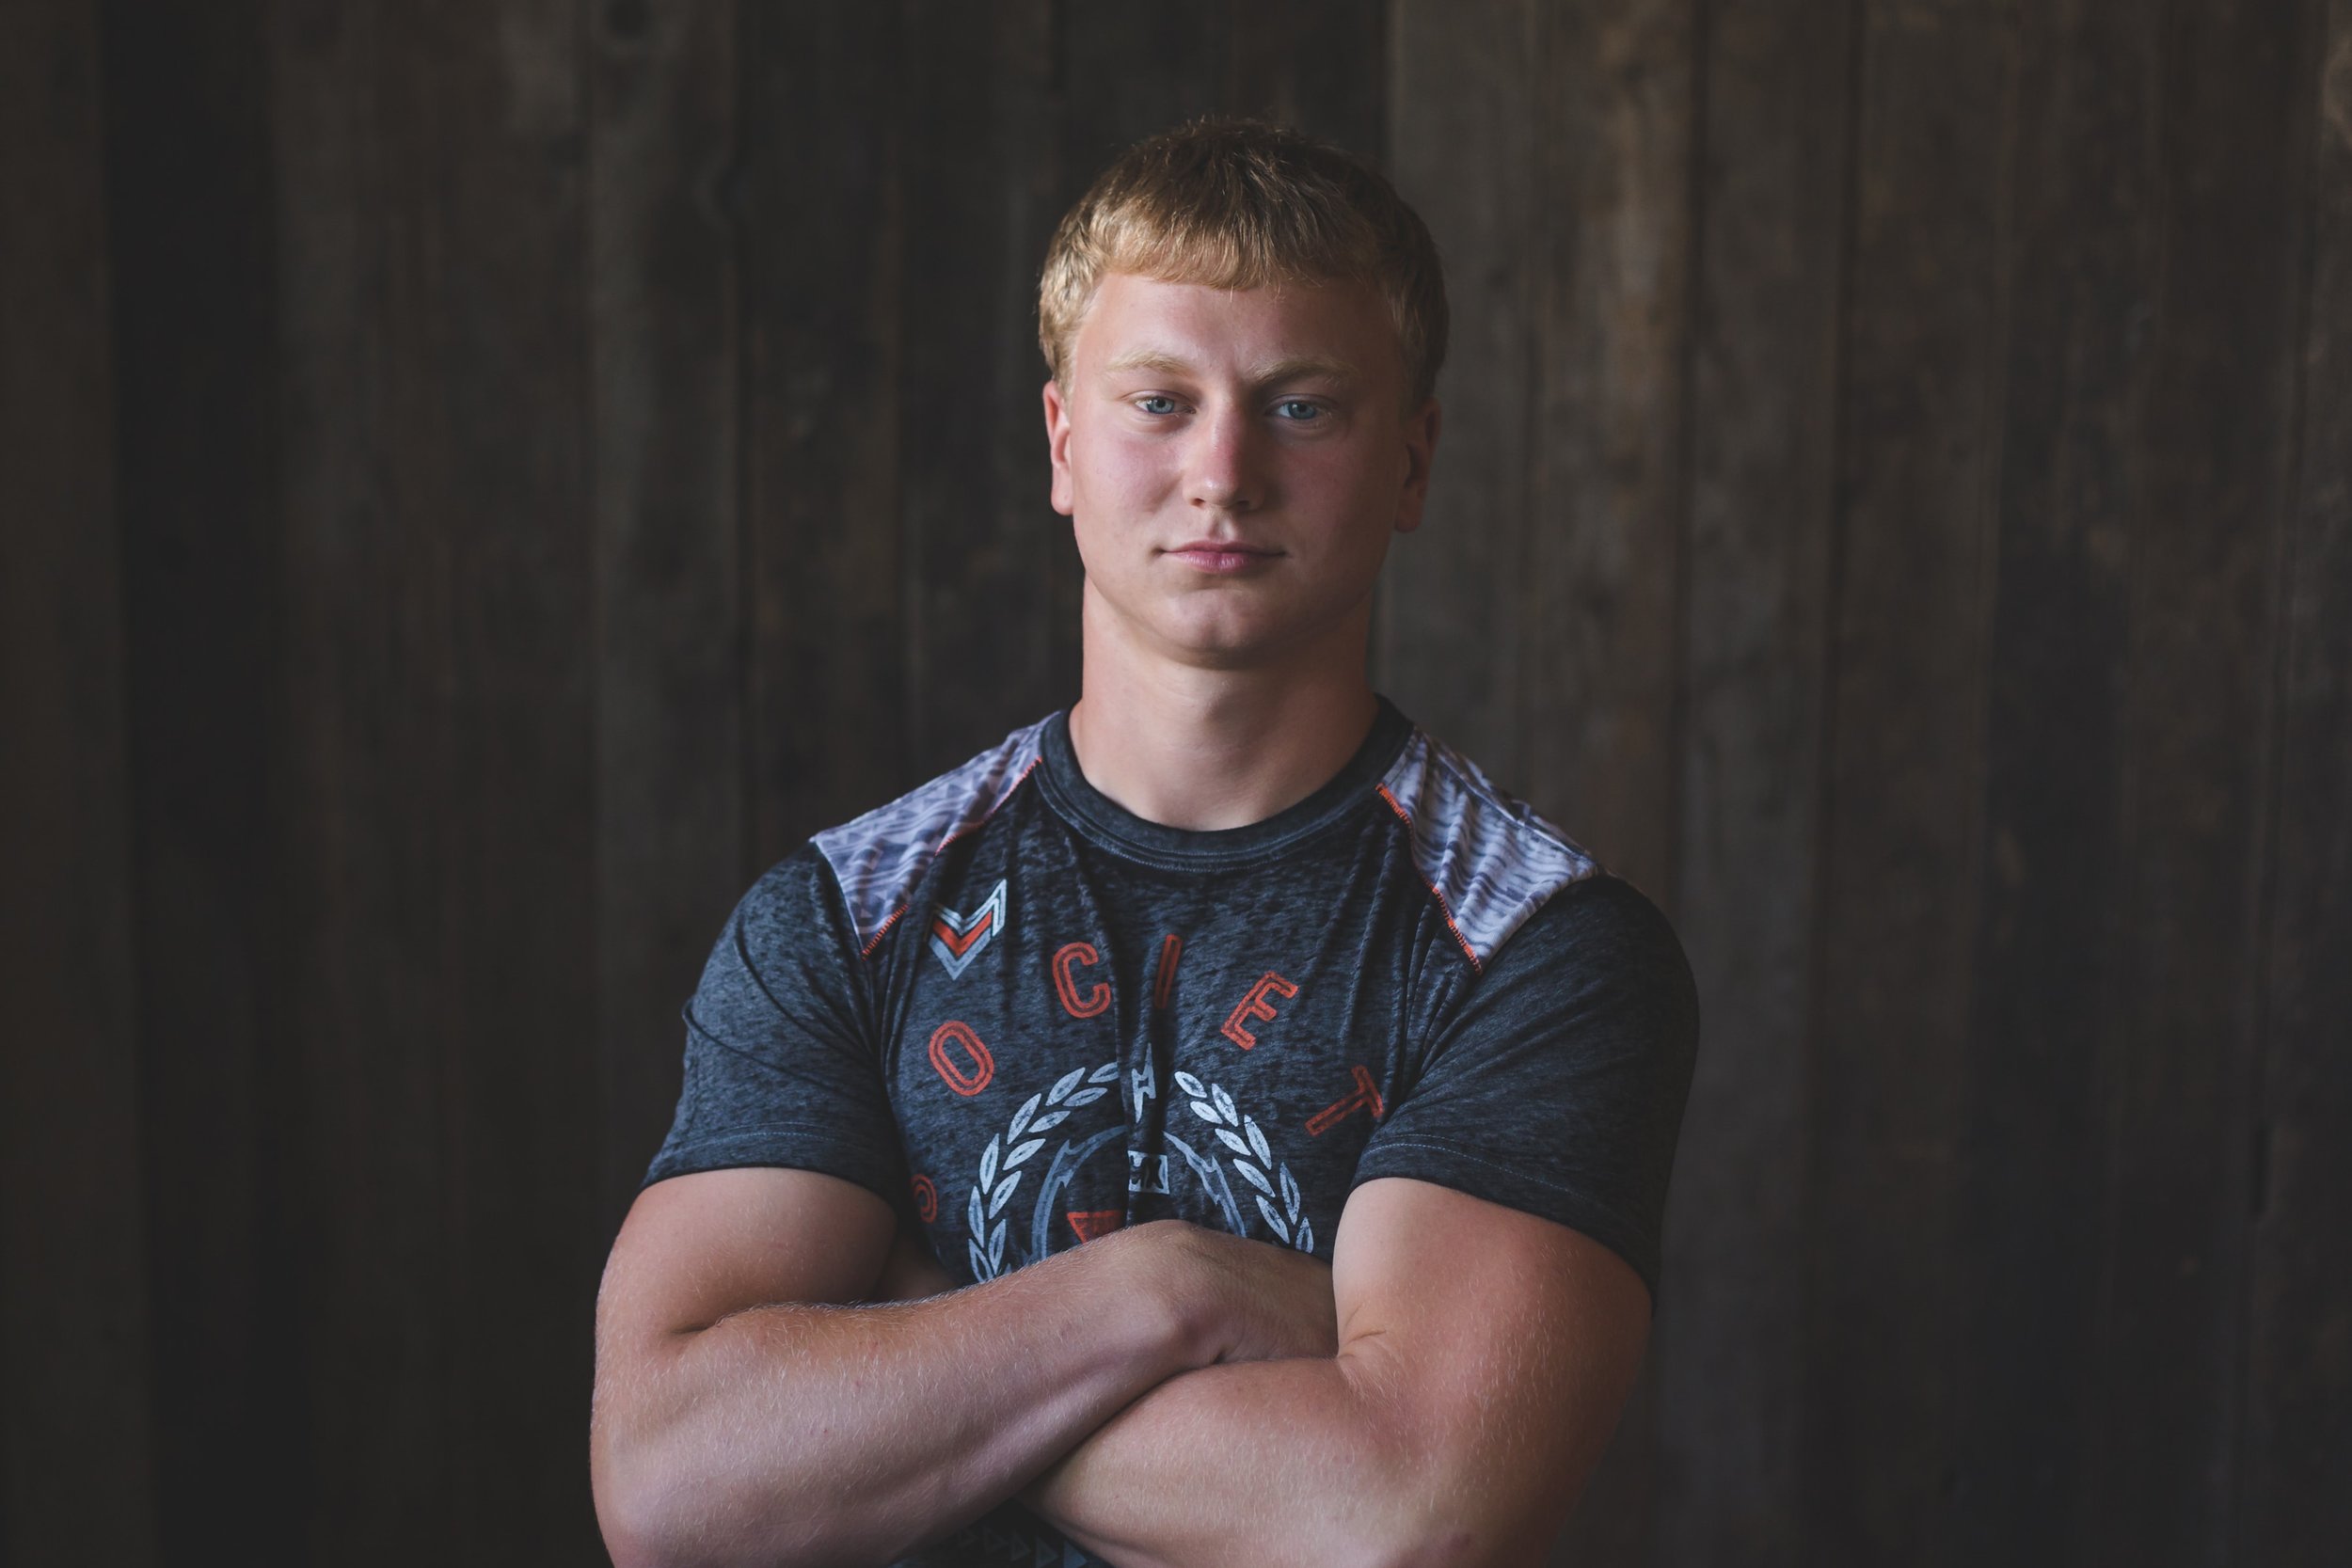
1554 1082
779 1066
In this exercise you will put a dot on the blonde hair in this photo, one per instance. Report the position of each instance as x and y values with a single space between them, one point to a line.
1241 204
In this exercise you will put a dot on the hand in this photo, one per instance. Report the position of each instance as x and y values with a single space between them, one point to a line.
1246 1300
1239 1300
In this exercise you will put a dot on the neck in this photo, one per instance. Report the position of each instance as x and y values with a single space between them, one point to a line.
1204 748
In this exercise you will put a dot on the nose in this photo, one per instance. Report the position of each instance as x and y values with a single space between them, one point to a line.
1226 473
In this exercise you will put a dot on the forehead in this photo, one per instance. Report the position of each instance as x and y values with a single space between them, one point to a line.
1138 322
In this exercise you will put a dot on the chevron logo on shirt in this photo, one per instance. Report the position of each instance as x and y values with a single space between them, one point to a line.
958 937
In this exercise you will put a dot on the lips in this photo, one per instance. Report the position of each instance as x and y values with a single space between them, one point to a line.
1220 557
1222 546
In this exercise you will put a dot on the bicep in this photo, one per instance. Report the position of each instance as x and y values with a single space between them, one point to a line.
696 1248
1505 1343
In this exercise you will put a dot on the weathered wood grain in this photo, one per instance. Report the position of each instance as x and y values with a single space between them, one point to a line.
989 646
1774 121
190 234
432 169
2082 267
1318 65
1128 70
2159 1484
817 197
1462 91
1599 619
76 1441
364 833
1606 468
2293 1507
498 123
665 369
1918 461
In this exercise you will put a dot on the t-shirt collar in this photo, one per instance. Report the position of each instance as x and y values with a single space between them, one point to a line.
1096 815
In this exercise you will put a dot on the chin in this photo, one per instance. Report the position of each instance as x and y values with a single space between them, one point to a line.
1227 642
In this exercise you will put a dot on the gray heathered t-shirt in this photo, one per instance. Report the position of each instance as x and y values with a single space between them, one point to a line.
1024 1016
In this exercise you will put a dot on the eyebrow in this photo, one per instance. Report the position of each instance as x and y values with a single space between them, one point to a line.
1296 368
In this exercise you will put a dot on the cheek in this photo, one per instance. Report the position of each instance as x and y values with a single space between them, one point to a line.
1352 493
1111 472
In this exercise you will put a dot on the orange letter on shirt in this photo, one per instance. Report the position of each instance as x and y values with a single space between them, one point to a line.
1171 948
1097 999
964 1081
1367 1097
1256 1006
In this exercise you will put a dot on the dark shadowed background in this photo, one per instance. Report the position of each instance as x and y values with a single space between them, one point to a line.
481 479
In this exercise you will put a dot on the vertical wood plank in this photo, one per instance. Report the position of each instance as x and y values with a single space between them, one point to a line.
2217 425
1315 65
1764 396
1918 455
1607 469
501 118
816 194
192 235
2293 1507
2083 265
1461 101
1128 70
987 632
76 1482
432 166
1599 621
362 671
671 850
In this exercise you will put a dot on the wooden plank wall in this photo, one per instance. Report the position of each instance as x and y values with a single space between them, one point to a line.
79 1417
482 481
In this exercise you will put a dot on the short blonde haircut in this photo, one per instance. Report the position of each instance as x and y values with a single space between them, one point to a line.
1241 204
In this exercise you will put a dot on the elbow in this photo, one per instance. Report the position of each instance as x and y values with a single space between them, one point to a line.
641 1533
1446 1542
632 1540
1433 1544
1403 1520
1432 1510
654 1517
635 1533
642 1524
658 1511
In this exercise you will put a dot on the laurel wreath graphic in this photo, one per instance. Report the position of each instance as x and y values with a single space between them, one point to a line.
1254 1159
1000 1162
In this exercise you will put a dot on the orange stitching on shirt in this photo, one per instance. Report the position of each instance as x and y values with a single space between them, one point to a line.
1443 908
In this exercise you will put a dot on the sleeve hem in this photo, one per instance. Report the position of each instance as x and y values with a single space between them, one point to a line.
764 1149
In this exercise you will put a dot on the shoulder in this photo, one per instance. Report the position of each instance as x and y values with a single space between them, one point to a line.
877 858
1490 860
1606 932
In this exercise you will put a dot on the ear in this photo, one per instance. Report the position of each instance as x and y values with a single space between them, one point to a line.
1058 447
1420 432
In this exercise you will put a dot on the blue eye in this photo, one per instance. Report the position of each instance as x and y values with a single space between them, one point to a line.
1298 410
1155 403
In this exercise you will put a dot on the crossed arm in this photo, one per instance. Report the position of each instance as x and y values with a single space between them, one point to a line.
1164 1394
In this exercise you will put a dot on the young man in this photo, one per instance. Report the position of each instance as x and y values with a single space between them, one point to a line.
1243 1130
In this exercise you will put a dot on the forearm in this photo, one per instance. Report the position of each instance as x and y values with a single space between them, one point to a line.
1483 1360
800 1433
1303 1460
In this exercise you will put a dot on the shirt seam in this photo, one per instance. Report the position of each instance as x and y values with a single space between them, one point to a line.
1491 795
1459 1153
